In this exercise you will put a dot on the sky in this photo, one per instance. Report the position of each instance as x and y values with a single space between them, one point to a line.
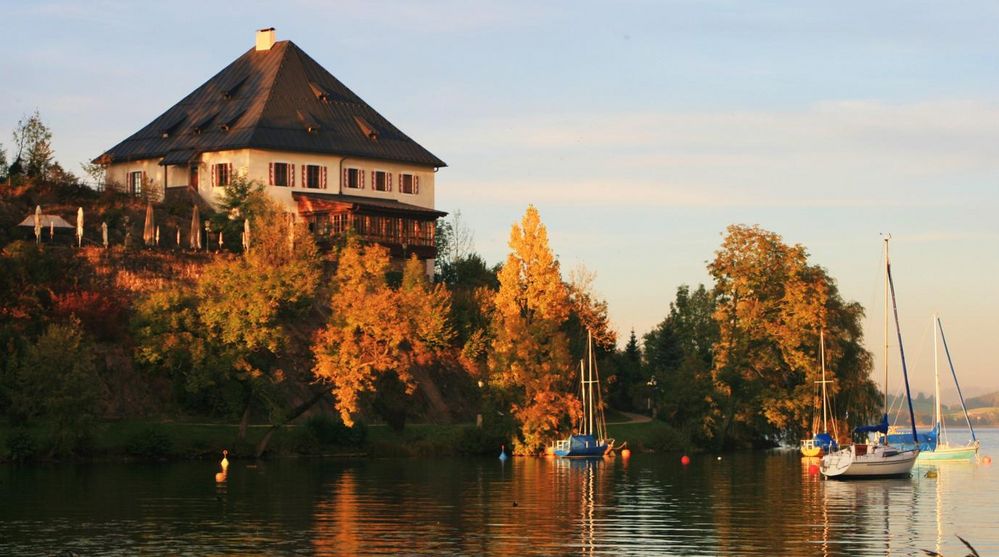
640 130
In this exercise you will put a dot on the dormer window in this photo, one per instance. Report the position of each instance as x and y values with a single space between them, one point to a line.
366 128
231 91
319 92
310 123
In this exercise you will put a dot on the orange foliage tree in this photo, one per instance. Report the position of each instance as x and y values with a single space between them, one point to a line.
375 330
771 306
530 365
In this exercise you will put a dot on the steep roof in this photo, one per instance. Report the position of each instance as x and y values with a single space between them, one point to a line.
277 99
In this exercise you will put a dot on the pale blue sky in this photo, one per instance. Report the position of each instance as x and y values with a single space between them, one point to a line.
639 129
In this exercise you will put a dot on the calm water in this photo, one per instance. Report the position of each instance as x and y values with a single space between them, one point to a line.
744 504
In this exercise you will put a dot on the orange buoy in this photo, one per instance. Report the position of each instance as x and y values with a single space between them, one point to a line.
685 460
813 469
986 460
625 453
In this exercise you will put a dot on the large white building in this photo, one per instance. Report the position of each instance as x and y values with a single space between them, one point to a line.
277 117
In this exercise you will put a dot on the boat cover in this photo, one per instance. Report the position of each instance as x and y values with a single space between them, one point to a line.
879 428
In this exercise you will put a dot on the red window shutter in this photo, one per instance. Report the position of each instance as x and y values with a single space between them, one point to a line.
416 184
143 182
345 184
214 183
270 174
228 174
360 179
291 177
324 178
388 181
305 177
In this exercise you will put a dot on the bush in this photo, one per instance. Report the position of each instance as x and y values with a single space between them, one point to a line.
152 442
480 441
327 431
21 446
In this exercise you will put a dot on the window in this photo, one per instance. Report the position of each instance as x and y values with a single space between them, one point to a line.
281 174
409 183
381 181
353 178
221 174
313 176
135 182
193 182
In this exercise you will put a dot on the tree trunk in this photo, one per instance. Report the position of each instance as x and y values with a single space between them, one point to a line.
295 413
245 421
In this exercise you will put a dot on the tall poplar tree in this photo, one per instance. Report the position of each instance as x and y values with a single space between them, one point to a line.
530 365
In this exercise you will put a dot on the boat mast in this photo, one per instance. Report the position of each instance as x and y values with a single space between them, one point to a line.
950 362
589 372
936 379
582 387
901 351
888 237
822 351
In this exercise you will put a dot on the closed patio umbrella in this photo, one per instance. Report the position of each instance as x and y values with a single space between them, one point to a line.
38 224
195 229
79 227
149 229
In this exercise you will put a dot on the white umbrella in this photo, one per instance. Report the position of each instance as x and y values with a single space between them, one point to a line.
195 229
149 230
246 234
79 226
157 235
104 233
38 224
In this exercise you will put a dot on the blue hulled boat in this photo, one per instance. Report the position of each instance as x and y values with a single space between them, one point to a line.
590 440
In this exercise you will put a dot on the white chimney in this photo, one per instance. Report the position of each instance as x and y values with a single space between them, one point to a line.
265 39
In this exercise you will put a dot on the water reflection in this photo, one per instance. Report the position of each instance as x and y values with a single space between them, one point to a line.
745 504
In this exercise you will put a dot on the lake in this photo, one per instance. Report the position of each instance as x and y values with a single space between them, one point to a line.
762 503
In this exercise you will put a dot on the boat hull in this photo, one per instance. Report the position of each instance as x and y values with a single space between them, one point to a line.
944 452
581 446
857 462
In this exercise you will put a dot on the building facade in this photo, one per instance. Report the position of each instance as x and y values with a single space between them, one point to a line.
275 116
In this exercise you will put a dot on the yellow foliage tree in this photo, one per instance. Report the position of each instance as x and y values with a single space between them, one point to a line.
374 329
771 305
529 362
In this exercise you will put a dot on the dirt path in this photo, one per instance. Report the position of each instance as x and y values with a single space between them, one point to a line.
632 419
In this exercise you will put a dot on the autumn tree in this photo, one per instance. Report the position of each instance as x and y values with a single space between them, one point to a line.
771 306
530 364
376 333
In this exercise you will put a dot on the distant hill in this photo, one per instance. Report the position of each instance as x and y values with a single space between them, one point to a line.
985 401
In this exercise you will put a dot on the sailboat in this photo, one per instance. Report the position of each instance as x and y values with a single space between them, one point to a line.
822 441
876 460
942 449
590 440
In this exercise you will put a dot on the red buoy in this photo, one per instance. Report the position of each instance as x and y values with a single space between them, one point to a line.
625 453
813 469
986 460
685 460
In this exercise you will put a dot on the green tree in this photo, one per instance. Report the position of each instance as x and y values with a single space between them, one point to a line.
530 364
34 145
678 355
55 380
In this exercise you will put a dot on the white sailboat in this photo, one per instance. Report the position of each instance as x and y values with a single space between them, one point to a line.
944 450
876 460
822 441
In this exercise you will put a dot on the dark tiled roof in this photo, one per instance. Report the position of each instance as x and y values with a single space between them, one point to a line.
270 100
316 201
